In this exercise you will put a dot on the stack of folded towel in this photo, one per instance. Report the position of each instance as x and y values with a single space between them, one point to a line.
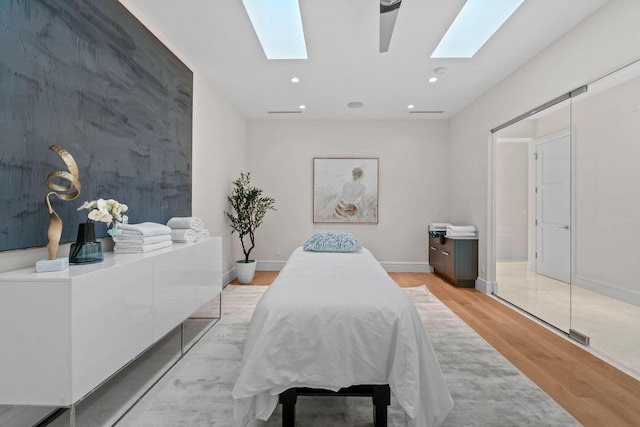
187 229
461 231
439 226
143 237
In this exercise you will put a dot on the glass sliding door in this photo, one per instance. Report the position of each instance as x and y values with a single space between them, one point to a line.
606 288
533 214
567 215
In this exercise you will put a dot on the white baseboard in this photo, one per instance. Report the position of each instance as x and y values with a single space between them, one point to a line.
407 267
270 265
485 286
396 267
628 296
229 276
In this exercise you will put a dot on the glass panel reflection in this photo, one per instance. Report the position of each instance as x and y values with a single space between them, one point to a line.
533 214
606 292
567 197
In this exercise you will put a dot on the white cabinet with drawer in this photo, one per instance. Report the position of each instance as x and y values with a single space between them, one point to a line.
63 333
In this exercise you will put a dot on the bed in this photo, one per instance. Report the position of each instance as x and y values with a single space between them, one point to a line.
331 321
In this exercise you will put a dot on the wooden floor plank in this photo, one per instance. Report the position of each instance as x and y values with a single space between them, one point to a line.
594 392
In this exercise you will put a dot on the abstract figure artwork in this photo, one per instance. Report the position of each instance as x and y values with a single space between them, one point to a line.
345 190
63 192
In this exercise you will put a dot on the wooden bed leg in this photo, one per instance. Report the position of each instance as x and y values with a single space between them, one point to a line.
288 399
381 396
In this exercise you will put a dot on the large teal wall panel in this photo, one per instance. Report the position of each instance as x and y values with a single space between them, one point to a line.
88 76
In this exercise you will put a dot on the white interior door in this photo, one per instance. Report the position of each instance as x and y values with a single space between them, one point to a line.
553 207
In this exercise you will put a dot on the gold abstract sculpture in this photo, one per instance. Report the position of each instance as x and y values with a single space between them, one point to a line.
63 192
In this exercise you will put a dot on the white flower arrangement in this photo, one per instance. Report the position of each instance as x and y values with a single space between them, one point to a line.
107 211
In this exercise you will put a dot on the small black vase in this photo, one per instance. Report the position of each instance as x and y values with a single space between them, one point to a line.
86 250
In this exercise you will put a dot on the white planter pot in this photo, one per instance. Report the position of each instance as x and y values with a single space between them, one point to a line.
246 271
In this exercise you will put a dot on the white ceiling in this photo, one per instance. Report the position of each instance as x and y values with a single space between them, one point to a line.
215 37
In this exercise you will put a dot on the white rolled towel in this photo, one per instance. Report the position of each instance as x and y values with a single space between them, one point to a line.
461 229
184 235
145 229
192 222
203 235
139 239
135 249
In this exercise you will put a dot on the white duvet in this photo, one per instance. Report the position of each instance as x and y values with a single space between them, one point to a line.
332 320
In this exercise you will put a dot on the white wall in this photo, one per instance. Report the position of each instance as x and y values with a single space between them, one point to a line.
608 184
412 183
602 43
512 200
219 154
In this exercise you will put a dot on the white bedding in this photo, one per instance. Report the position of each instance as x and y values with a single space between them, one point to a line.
332 320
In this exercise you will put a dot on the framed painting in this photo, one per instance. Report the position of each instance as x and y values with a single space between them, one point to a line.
345 190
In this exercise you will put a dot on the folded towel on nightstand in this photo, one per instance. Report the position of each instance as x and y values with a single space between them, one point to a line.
439 226
461 231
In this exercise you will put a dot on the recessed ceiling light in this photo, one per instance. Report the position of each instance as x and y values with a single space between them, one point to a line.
433 79
410 106
440 71
355 104
278 26
475 24
295 80
302 107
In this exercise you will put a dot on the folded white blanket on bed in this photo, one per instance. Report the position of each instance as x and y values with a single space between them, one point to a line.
145 229
332 320
192 222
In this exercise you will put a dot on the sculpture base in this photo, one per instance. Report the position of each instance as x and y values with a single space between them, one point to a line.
85 253
58 264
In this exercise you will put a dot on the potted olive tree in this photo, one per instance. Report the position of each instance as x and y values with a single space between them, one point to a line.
249 207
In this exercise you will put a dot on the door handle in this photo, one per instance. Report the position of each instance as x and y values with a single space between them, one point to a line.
433 249
445 253
566 227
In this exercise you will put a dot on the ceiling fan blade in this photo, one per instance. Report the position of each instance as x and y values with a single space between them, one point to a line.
388 13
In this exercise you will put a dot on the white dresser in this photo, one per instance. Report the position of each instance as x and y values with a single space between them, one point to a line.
63 333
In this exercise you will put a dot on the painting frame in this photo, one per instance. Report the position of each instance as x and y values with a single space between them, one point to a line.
345 190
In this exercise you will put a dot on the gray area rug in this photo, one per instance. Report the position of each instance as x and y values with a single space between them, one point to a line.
486 388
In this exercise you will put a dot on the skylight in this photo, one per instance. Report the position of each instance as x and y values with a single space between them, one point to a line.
475 24
279 27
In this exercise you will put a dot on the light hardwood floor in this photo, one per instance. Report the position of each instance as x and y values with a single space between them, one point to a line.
594 392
